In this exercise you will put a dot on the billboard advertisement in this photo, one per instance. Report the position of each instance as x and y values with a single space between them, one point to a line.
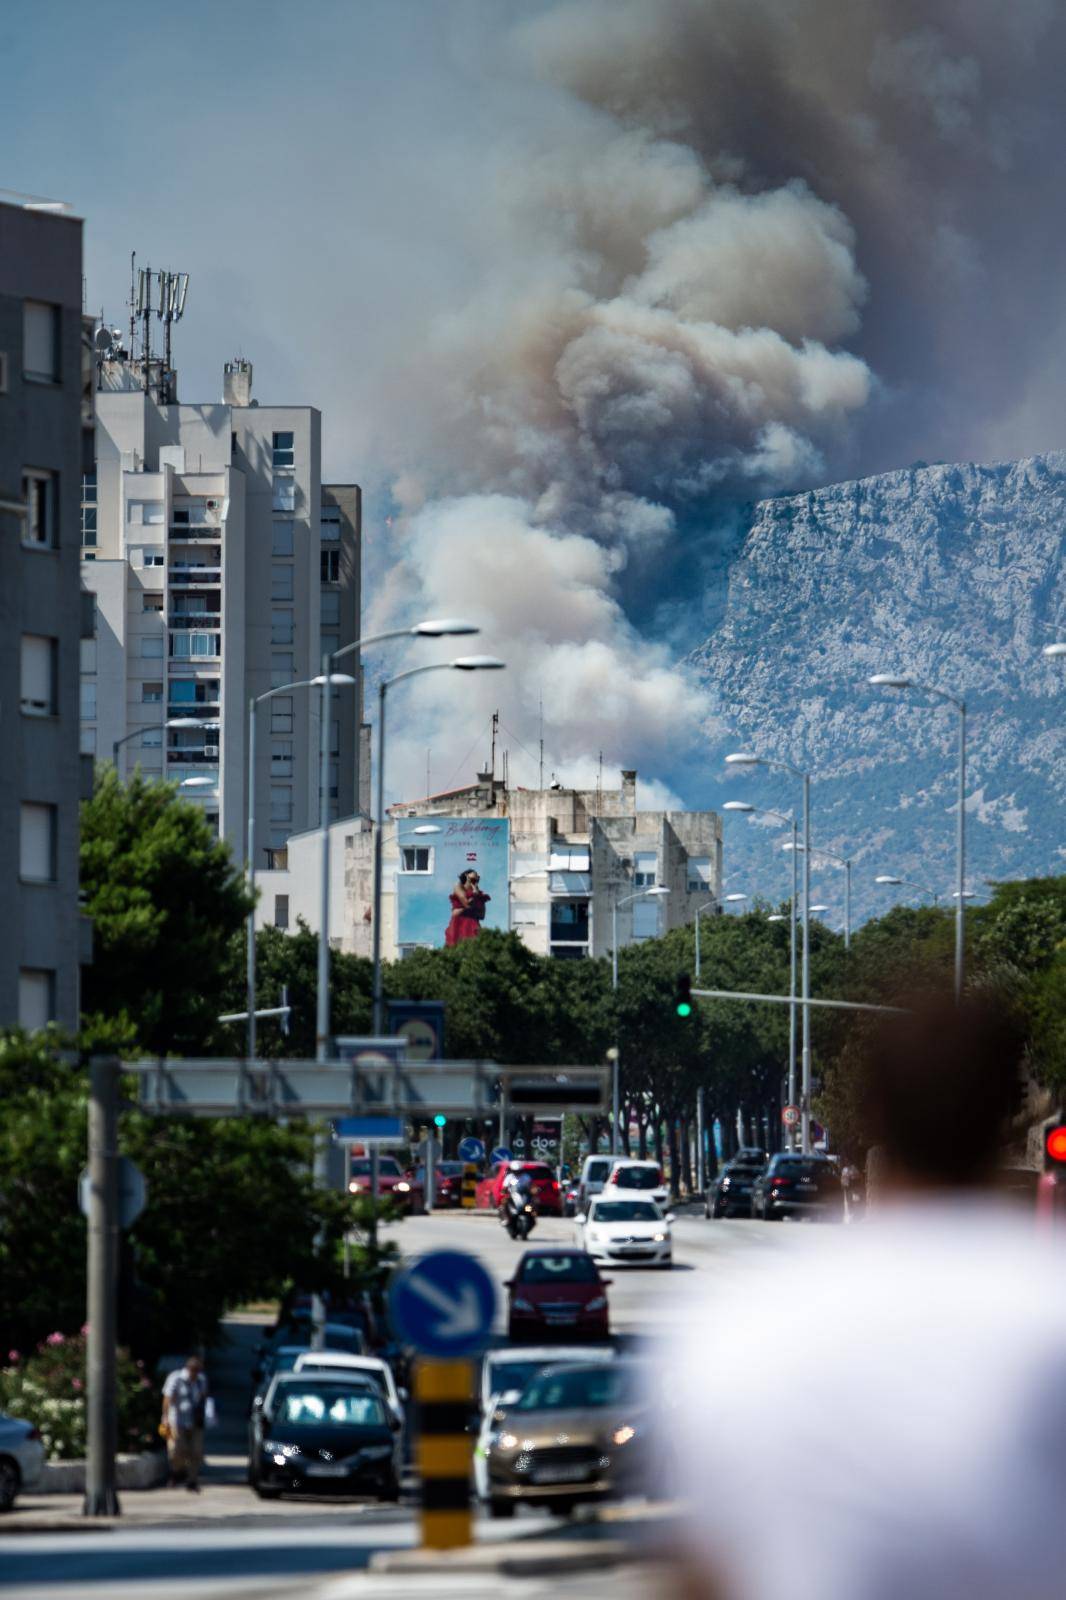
453 883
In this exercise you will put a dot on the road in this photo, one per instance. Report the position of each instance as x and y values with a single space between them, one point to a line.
226 1545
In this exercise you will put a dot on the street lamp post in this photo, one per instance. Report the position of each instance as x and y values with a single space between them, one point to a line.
885 877
888 680
655 892
746 759
171 722
459 664
845 862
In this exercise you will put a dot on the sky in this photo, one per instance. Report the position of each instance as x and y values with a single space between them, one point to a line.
572 283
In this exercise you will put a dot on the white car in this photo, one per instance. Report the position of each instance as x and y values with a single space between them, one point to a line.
371 1366
628 1179
21 1458
626 1229
504 1374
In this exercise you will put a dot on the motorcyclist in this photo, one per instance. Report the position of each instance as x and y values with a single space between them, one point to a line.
516 1192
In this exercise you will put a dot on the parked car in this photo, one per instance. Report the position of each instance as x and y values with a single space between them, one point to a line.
594 1170
280 1354
634 1231
372 1367
505 1374
796 1186
393 1184
447 1182
628 1178
729 1195
557 1289
318 1434
576 1433
21 1458
545 1192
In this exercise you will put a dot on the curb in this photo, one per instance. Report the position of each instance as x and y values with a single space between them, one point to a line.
142 1471
522 1559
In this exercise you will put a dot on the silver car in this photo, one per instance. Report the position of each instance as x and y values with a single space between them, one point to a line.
21 1458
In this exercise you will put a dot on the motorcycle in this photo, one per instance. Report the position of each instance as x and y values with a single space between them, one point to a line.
519 1216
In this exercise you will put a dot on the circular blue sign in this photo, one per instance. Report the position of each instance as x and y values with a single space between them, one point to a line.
471 1149
501 1153
444 1304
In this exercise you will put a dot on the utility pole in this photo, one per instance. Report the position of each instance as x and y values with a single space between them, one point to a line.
101 1497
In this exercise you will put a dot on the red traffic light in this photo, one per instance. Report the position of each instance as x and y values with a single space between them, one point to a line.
1055 1143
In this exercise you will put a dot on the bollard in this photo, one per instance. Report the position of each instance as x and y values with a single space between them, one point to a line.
469 1184
444 1392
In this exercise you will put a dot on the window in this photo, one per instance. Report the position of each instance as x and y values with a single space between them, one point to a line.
152 739
645 863
152 646
144 513
180 517
37 690
284 495
331 566
330 523
281 714
281 911
283 453
331 609
570 921
87 651
416 858
152 602
88 702
152 693
281 668
88 509
646 919
39 492
281 758
37 998
40 341
186 645
280 582
87 742
282 538
699 872
280 805
281 626
146 555
331 643
37 843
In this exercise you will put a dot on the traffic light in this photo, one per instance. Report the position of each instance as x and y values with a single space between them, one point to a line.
439 1120
683 997
1055 1147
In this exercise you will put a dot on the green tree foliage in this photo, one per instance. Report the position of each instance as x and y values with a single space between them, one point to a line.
165 899
291 959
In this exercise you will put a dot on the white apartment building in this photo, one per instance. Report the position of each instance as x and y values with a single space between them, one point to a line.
221 567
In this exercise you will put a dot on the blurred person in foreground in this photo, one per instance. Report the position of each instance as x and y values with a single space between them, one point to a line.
881 1414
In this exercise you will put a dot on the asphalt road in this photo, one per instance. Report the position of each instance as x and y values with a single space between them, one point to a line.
226 1545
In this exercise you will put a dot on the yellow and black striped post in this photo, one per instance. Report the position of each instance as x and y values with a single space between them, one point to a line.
469 1184
444 1392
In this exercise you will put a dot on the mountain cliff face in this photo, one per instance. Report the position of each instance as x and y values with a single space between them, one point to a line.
952 574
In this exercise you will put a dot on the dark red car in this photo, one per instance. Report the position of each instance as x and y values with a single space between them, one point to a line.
557 1289
546 1194
393 1183
447 1182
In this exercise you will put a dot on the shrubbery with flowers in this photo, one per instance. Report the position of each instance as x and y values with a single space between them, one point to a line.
47 1388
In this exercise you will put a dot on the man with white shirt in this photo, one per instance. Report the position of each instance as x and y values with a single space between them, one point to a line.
185 1402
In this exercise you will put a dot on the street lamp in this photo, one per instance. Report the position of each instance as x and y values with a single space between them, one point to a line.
732 899
888 680
458 664
1057 649
845 862
655 892
885 877
746 759
819 908
172 722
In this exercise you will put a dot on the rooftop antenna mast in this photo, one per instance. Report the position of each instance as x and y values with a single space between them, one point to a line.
133 299
173 287
144 310
540 781
495 730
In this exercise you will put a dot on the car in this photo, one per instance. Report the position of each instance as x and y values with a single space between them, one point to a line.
594 1170
795 1185
372 1367
21 1458
575 1433
627 1178
504 1375
729 1194
544 1187
557 1289
282 1354
631 1230
393 1183
447 1182
316 1433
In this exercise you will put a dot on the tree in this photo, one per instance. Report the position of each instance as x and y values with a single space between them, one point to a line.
165 899
290 960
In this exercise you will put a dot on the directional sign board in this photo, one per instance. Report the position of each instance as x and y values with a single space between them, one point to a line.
471 1149
132 1192
444 1305
368 1130
501 1154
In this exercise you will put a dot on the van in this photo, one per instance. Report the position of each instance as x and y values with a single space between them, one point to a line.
593 1177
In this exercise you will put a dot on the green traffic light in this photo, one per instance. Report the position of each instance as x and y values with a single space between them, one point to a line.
439 1121
684 1009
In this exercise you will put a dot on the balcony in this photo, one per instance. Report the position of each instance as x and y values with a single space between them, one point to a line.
182 575
189 754
195 530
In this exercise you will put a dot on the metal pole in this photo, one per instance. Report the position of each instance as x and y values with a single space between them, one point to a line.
700 1184
697 941
502 1141
847 905
431 1167
960 909
792 984
615 1108
805 1101
379 828
614 943
614 1062
250 965
322 1014
101 1498
347 1192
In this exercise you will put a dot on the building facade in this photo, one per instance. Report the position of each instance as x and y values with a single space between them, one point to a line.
220 568
41 618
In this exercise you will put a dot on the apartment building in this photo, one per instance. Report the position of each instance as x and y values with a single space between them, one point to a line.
221 568
41 464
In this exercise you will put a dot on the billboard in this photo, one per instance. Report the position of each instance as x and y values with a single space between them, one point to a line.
453 883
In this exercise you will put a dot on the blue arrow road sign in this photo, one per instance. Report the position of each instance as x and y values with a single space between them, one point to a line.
471 1149
444 1304
501 1153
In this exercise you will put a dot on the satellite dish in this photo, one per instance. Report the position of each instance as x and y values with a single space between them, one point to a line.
103 341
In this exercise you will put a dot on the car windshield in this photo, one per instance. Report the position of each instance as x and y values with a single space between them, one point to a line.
578 1388
388 1167
597 1171
504 1375
538 1174
635 1178
570 1268
314 1406
624 1211
803 1169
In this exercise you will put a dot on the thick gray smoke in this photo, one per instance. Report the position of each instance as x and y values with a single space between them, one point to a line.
751 259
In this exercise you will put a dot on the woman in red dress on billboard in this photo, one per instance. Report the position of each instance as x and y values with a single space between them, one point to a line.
468 909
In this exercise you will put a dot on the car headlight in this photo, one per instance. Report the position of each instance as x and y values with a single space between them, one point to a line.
274 1448
623 1435
522 1305
660 1238
402 1188
725 1183
377 1452
508 1441
599 1304
594 1235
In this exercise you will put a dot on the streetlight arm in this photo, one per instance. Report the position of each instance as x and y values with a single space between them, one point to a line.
375 638
414 672
282 688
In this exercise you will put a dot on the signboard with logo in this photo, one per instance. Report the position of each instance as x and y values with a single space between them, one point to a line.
545 1142
421 1023
453 883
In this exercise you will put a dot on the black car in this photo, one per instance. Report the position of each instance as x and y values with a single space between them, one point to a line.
729 1194
798 1186
315 1434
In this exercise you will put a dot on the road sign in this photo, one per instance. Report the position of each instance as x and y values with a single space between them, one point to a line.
790 1116
444 1305
132 1192
501 1153
471 1149
368 1130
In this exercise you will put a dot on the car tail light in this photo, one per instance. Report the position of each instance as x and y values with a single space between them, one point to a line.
782 1183
34 1433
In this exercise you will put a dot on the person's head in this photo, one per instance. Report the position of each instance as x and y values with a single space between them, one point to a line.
193 1366
939 1083
469 879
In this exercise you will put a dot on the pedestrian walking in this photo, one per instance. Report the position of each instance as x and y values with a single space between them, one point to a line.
186 1402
